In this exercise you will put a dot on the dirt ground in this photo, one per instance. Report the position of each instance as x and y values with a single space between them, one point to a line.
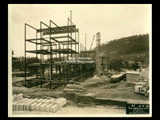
70 110
122 90
78 109
99 86
102 88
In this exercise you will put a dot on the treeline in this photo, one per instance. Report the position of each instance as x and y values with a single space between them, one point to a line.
127 45
19 62
118 53
126 52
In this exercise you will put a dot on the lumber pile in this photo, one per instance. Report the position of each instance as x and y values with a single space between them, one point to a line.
25 104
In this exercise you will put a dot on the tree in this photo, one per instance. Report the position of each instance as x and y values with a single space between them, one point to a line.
12 52
135 66
116 64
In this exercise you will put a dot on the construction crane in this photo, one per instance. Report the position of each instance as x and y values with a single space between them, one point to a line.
91 44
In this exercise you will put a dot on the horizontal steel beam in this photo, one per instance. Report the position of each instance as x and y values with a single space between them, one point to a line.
30 26
58 30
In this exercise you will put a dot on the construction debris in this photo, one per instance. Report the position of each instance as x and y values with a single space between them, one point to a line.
26 104
118 77
74 88
142 89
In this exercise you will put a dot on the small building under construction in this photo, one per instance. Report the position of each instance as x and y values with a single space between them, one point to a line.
54 46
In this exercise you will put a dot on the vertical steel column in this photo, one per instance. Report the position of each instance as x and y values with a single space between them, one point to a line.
68 53
63 53
59 75
50 56
63 70
71 42
36 55
56 52
75 46
78 54
41 54
56 60
36 43
71 30
85 43
75 55
59 52
78 42
56 69
80 49
25 51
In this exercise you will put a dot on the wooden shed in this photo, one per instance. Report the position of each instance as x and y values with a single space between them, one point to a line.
132 76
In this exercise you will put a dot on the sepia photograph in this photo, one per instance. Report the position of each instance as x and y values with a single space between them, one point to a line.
79 60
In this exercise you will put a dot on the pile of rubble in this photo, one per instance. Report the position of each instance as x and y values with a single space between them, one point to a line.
77 93
74 88
25 104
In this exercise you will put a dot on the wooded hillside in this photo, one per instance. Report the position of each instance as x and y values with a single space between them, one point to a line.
128 45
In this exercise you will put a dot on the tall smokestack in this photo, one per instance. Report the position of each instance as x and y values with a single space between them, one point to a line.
98 40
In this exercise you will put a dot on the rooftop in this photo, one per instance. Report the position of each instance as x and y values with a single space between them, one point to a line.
132 72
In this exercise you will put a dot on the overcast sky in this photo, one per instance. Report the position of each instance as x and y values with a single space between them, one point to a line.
112 21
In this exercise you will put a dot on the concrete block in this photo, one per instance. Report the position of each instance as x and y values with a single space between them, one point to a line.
20 96
14 104
19 107
21 103
61 102
39 100
35 100
54 108
28 103
49 102
43 101
37 107
16 107
25 99
32 106
53 101
29 100
32 102
14 97
42 107
48 107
